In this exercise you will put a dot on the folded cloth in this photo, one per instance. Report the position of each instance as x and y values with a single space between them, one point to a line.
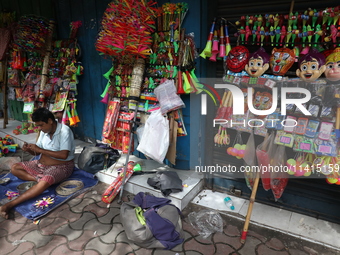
167 182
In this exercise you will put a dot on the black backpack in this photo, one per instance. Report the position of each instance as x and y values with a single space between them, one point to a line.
94 158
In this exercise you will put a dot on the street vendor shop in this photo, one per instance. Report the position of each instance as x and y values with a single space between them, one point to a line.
246 86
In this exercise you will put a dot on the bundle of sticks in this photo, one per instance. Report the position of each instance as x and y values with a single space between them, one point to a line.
225 109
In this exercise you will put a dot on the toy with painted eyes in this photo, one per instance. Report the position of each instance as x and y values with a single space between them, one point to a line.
237 58
311 66
258 63
332 71
281 60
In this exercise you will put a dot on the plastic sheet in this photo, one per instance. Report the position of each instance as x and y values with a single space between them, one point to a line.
279 178
250 161
206 222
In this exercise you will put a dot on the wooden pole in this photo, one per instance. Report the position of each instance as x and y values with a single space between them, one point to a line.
250 208
5 95
44 73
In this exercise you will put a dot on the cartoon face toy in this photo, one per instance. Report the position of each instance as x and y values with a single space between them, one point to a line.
281 60
258 63
311 66
332 71
237 58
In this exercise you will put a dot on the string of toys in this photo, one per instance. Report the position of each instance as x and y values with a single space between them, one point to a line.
45 77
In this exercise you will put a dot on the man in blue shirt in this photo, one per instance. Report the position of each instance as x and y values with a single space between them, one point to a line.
55 148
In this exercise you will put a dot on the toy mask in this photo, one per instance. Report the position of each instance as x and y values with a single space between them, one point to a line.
258 63
281 60
332 71
237 58
311 66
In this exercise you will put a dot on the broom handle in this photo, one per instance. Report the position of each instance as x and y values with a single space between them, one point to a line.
250 208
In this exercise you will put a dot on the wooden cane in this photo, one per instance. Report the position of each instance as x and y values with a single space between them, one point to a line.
250 208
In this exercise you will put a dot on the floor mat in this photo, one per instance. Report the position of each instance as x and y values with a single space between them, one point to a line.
49 200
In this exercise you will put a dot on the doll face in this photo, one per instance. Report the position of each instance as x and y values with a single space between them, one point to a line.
237 58
332 71
255 67
310 71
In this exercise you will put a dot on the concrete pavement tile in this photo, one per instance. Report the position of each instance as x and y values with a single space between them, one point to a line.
202 240
80 207
51 245
63 249
50 229
117 219
36 238
30 252
74 201
3 232
97 227
231 230
79 224
58 211
233 241
193 245
248 247
297 252
111 236
165 252
81 196
257 235
275 244
68 232
69 215
20 219
264 250
122 249
102 248
91 252
45 222
94 194
223 249
107 218
6 247
192 253
23 247
122 238
143 251
104 205
94 208
11 226
25 229
81 241
189 228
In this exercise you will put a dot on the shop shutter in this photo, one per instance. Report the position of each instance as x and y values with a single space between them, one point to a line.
312 197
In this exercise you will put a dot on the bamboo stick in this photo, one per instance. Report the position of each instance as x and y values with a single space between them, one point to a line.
5 96
250 208
44 72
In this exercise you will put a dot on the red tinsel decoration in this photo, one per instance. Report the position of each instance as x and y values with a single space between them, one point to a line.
126 29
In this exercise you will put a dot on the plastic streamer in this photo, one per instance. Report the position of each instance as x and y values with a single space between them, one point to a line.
32 34
126 29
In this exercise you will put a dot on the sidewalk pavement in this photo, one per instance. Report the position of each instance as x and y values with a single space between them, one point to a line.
87 226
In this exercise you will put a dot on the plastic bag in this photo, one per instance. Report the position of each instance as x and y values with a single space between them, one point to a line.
279 178
263 159
206 222
7 162
167 97
250 161
155 139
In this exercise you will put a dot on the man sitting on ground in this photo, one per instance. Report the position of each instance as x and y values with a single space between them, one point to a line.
55 148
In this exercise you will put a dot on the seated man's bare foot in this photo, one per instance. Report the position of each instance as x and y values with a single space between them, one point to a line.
3 212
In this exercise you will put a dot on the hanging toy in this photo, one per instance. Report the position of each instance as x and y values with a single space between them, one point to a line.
207 50
237 58
311 66
258 63
281 60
